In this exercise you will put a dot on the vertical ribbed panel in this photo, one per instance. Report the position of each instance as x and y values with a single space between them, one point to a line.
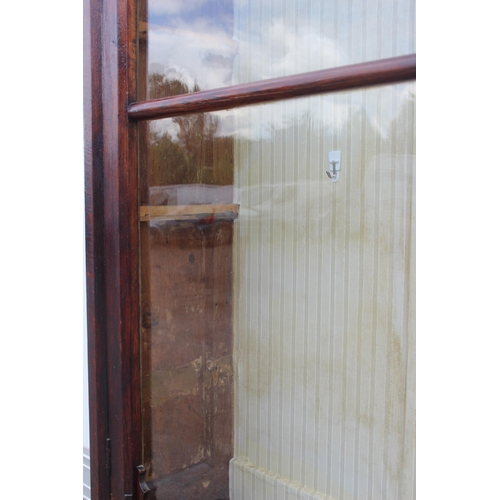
324 298
324 279
282 37
86 474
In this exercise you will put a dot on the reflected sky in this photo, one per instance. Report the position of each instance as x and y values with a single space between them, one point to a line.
215 43
380 106
177 13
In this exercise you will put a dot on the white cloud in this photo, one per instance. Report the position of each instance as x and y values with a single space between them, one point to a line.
279 49
203 56
267 43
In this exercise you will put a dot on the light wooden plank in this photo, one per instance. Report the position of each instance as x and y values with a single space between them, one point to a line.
188 212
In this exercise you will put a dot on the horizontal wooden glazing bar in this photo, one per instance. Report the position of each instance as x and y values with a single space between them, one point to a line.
356 76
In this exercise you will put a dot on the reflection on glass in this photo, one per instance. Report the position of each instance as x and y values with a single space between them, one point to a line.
190 150
207 44
257 267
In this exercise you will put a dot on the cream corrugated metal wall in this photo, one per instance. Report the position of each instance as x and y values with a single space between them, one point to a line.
324 325
283 37
324 283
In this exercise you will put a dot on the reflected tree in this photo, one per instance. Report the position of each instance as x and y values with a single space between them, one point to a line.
187 149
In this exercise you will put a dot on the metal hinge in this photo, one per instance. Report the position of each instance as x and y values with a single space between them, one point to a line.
127 496
107 451
108 456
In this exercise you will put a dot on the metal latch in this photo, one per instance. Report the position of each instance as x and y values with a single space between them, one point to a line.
144 487
334 160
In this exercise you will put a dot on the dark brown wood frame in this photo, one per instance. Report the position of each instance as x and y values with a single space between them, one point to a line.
112 216
112 246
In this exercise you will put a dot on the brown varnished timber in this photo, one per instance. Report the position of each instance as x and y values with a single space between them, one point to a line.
122 244
112 246
356 76
145 267
94 236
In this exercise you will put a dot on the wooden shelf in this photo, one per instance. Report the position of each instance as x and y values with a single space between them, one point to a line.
211 212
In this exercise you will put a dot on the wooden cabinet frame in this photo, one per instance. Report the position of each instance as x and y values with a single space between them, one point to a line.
112 216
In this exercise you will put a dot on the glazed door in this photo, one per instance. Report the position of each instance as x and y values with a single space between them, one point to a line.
262 339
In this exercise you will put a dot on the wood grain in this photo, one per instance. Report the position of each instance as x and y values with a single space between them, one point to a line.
188 212
356 76
112 246
187 349
112 238
94 236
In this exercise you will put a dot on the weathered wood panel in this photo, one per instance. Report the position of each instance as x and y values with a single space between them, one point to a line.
187 358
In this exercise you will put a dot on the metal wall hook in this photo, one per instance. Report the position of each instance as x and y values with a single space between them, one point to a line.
334 160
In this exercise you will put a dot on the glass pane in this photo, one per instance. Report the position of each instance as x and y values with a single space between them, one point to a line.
257 268
206 44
